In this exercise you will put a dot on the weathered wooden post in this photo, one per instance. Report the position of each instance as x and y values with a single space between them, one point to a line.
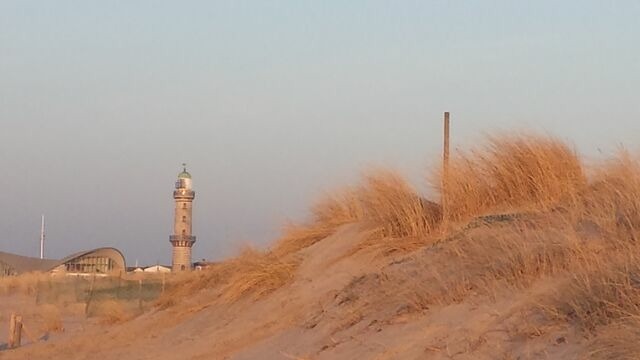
12 331
15 331
18 336
445 173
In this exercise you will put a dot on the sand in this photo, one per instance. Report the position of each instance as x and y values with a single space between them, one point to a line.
340 305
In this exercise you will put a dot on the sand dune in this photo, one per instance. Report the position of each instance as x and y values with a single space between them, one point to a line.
339 306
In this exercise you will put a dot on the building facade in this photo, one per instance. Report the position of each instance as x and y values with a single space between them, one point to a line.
182 239
101 261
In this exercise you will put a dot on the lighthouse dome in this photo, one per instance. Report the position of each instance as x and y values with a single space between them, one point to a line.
184 175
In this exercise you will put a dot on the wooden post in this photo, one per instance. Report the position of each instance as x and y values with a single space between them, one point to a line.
445 173
18 337
15 331
90 296
446 139
12 331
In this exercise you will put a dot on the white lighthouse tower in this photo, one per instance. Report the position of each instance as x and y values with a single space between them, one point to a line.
182 240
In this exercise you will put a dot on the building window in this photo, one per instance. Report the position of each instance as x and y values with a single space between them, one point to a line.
184 205
184 219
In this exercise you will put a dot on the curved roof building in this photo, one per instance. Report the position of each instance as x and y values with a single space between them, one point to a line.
97 261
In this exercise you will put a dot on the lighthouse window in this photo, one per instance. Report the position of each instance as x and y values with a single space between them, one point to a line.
184 219
184 205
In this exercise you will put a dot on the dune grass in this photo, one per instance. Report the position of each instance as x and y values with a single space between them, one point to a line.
601 293
251 274
23 284
51 318
580 231
331 211
113 311
616 342
395 208
256 274
612 201
511 173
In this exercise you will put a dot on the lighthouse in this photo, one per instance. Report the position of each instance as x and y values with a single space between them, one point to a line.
182 240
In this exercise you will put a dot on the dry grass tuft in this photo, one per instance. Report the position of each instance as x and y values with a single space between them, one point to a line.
300 236
512 173
617 342
23 284
185 284
111 311
338 208
252 273
385 201
395 208
328 214
51 318
256 274
612 201
487 261
600 289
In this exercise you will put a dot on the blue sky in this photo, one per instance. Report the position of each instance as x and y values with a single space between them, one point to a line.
271 103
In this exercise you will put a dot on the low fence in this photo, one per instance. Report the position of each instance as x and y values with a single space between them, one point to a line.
84 289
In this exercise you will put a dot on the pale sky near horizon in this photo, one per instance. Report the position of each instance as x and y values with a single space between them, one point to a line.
272 102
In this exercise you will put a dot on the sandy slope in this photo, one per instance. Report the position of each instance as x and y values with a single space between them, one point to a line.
340 306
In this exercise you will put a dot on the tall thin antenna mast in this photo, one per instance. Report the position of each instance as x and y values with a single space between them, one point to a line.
42 239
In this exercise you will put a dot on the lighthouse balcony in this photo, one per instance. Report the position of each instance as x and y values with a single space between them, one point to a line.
184 194
182 240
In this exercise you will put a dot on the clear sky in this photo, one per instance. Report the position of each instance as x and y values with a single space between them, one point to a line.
272 102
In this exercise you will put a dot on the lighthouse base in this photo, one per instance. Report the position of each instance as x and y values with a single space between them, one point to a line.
181 258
